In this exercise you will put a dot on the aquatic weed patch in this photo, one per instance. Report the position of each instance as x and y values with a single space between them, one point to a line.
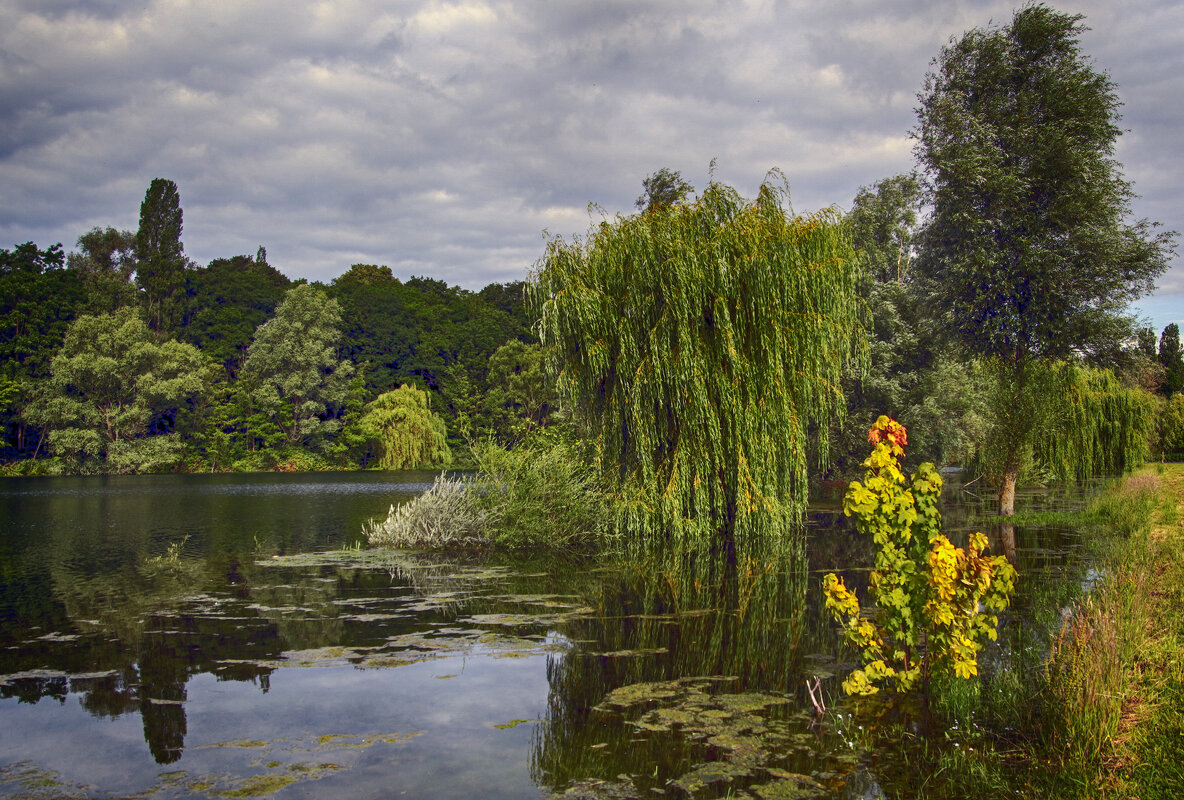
734 744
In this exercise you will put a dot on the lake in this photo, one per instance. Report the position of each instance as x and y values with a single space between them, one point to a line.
224 635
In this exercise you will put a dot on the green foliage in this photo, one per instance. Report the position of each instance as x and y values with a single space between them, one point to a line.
521 394
405 432
110 384
934 603
1101 427
663 189
1169 426
1064 421
106 261
697 344
295 377
911 375
38 300
1028 251
1028 256
160 257
883 221
1171 359
227 302
539 495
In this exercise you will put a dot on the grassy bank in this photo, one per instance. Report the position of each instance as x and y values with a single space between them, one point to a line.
1089 702
1145 758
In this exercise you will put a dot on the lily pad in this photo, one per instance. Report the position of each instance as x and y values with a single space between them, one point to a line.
712 773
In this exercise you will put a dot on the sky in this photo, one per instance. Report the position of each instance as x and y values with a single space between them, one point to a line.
449 139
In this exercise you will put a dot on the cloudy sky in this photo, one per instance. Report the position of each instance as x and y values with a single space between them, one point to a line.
444 138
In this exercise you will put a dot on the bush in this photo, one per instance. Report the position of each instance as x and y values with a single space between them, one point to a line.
536 495
443 516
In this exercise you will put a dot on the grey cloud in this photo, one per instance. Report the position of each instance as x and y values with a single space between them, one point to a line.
442 138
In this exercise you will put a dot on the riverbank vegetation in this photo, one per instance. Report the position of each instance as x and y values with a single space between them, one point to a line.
1086 699
540 495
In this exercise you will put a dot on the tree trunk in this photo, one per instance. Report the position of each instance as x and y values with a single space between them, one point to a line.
1007 492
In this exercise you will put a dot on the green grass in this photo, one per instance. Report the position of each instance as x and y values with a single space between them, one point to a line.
1146 759
1099 713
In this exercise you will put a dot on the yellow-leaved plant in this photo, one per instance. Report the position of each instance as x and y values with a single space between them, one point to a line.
934 603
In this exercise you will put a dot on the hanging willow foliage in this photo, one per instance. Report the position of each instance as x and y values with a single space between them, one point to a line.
404 431
701 343
1066 421
1103 427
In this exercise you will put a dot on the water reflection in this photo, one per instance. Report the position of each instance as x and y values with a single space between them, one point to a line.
225 622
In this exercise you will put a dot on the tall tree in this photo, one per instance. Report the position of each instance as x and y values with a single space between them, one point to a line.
296 376
106 261
911 377
160 256
1029 255
1171 358
699 343
112 387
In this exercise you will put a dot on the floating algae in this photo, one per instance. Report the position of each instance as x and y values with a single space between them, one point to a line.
711 774
742 744
256 786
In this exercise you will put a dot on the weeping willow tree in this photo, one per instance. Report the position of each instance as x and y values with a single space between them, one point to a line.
1104 427
1070 422
701 344
404 431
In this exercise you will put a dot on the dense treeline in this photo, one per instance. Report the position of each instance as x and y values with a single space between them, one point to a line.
125 356
235 366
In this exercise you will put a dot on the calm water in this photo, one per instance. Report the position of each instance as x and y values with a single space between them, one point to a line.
181 636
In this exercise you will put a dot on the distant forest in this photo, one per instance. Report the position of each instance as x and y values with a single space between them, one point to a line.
125 356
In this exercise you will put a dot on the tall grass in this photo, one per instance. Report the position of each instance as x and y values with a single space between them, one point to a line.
536 495
443 516
1093 669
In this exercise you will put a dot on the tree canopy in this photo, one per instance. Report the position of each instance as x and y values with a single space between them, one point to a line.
1029 255
110 385
292 367
1029 247
698 343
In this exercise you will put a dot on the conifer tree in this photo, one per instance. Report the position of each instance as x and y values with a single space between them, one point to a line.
160 256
